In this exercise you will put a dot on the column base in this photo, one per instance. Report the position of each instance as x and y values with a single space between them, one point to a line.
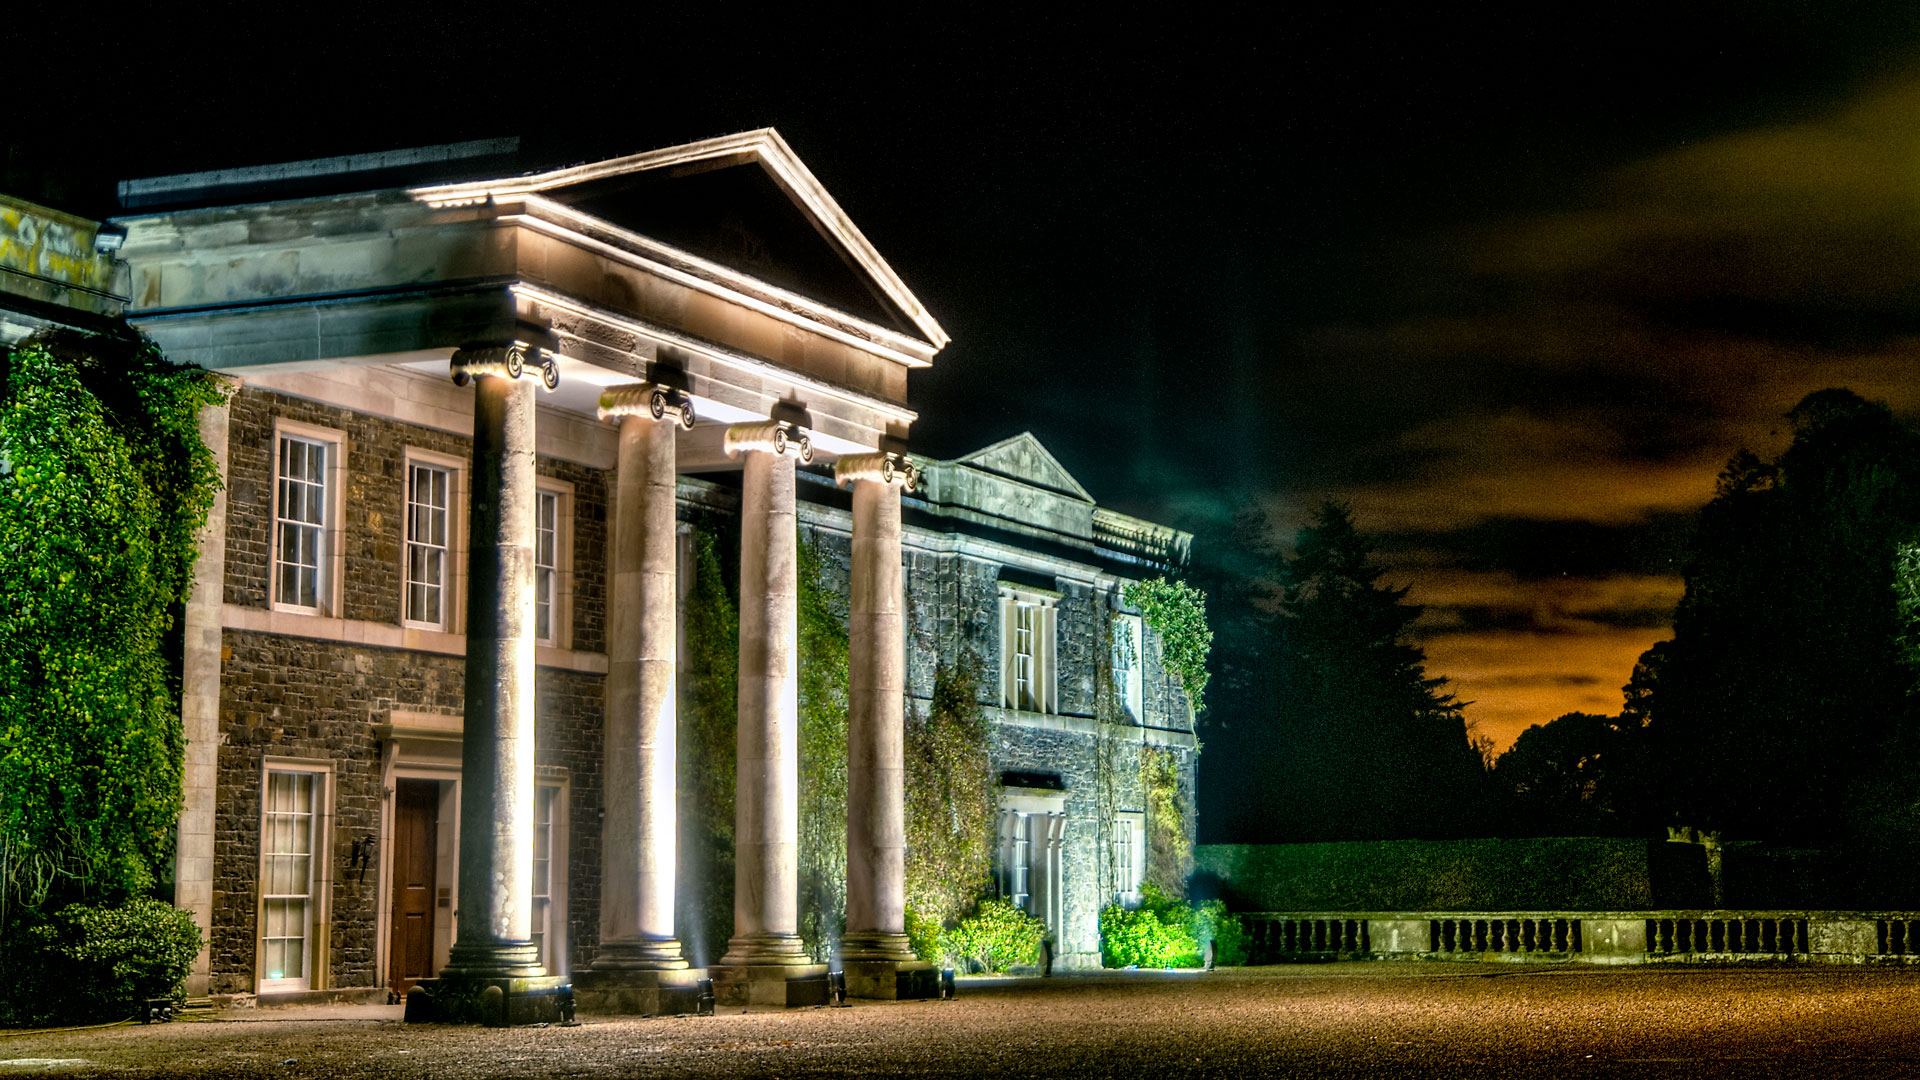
644 954
638 992
496 1001
787 985
891 980
877 945
765 950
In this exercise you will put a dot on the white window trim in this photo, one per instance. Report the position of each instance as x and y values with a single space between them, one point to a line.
333 557
453 592
319 917
561 614
1045 652
555 946
1132 684
1135 823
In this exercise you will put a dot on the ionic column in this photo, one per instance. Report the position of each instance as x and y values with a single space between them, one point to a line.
496 762
637 838
766 800
876 662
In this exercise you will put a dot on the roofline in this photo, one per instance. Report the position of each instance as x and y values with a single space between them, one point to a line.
763 145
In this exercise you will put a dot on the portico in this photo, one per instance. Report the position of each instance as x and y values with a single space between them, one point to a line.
603 314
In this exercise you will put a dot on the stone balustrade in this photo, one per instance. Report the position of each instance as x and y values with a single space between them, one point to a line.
1613 937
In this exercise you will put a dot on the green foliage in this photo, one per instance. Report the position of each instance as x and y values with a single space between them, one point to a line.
1548 874
997 937
1178 613
1212 922
91 963
103 484
1169 843
951 799
707 748
1793 624
923 934
1157 934
822 637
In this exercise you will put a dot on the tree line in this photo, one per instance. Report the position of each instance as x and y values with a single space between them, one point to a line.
1782 708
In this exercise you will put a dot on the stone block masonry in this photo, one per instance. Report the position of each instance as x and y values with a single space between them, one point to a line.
321 701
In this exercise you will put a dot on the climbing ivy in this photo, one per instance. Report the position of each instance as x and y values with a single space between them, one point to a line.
1169 844
1178 613
822 639
104 483
707 748
951 800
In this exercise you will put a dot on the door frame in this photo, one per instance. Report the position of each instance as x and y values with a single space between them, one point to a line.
416 746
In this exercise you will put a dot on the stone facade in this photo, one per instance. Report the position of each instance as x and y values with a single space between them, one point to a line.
381 323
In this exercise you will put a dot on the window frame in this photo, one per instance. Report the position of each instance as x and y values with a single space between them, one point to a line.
549 909
560 594
454 564
315 939
330 565
1043 639
1131 684
1129 857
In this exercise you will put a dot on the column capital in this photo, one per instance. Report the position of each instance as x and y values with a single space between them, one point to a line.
884 466
646 399
504 359
773 436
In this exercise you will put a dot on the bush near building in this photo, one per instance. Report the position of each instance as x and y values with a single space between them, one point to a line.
1167 932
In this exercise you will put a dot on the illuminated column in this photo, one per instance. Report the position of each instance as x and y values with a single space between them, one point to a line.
637 837
200 708
766 803
496 761
876 663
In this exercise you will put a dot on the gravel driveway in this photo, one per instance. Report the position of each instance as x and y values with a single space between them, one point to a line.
1359 1020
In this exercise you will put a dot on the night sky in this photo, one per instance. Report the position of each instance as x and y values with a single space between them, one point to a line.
1513 289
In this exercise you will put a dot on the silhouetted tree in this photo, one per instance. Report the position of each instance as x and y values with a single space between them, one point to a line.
1782 693
1365 745
1555 777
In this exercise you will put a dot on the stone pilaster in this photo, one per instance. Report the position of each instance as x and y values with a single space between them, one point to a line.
200 709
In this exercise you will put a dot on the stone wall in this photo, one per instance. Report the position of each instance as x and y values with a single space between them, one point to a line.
318 700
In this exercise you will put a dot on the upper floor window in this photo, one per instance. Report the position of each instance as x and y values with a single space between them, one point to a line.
1027 652
552 563
1128 684
307 468
430 491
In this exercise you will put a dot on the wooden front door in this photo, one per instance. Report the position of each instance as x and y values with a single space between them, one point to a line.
416 821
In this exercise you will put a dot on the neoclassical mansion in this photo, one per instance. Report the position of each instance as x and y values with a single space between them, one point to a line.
433 660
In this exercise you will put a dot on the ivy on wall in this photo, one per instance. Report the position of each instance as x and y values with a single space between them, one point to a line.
1178 613
104 483
1169 841
822 639
707 750
951 802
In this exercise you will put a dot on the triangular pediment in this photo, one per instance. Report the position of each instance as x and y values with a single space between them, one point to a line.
1023 458
744 202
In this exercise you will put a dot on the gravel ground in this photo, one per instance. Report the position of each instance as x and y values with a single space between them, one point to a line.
1361 1020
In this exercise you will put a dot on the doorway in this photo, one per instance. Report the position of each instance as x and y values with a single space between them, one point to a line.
416 828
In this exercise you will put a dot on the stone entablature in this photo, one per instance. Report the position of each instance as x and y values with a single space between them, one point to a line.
56 269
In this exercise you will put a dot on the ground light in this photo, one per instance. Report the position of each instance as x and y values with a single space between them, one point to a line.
946 984
705 986
837 989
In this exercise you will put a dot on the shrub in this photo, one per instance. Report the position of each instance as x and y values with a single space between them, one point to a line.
1213 922
1157 934
89 963
923 934
996 937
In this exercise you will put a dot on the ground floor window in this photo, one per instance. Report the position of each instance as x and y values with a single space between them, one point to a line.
292 843
544 797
